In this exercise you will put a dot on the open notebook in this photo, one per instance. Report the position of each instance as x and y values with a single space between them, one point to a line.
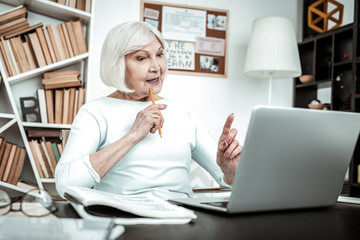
292 158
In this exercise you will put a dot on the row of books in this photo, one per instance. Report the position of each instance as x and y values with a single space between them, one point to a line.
84 5
60 106
14 22
40 46
46 155
61 79
62 96
11 161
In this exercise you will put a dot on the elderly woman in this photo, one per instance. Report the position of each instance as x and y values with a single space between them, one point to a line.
112 146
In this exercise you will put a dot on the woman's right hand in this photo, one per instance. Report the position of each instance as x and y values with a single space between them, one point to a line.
148 120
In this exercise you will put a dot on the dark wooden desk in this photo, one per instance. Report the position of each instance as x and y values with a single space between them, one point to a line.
339 222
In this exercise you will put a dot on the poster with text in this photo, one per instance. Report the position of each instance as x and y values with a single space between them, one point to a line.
180 55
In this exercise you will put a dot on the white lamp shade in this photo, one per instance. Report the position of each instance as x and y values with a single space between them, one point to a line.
272 50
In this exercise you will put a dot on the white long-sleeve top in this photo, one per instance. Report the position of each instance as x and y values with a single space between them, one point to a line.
157 165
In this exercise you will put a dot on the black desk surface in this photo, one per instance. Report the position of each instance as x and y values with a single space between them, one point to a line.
339 222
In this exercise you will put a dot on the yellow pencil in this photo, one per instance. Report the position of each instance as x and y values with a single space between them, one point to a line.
153 102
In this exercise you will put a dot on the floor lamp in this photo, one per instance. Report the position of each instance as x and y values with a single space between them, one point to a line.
272 51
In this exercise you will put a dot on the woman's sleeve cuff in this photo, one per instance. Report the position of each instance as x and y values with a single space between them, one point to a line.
92 172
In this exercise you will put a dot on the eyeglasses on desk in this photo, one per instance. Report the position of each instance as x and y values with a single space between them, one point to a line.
35 203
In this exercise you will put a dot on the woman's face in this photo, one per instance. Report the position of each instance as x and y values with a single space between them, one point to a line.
145 69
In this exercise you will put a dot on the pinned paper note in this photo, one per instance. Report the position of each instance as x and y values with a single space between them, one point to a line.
210 46
180 55
183 24
151 13
153 23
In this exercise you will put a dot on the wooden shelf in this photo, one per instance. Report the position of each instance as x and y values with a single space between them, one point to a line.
315 85
333 57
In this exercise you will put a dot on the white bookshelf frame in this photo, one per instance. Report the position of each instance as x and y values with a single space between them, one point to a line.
55 11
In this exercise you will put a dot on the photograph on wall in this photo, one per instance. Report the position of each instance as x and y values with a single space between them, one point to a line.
209 63
216 22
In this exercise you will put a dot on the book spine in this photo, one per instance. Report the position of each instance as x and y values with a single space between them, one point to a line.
22 56
9 163
5 60
16 55
50 46
66 101
5 158
36 159
42 105
58 105
43 44
29 53
50 105
80 38
35 43
10 56
14 165
19 166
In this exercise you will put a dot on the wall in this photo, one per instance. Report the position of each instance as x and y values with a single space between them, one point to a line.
212 99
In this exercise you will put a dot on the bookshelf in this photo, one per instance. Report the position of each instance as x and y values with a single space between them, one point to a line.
25 83
333 58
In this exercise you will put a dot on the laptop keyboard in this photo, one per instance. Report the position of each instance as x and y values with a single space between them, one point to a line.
217 204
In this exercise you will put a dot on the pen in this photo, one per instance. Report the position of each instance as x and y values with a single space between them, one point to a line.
153 102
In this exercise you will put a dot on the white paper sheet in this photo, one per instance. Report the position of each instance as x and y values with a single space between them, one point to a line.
210 46
183 24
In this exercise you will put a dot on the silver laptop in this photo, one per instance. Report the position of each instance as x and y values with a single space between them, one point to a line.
292 158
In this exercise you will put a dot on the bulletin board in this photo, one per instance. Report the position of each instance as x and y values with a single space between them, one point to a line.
196 37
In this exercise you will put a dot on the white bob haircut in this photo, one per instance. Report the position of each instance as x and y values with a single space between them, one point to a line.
122 40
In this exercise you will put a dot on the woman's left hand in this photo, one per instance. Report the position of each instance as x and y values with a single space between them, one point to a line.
229 151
